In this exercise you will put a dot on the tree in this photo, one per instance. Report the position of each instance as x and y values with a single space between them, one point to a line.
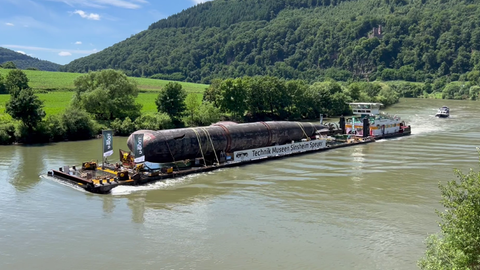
16 79
234 96
449 91
354 91
213 92
25 106
77 124
9 65
474 92
3 87
296 90
457 246
192 104
207 114
171 100
107 94
153 121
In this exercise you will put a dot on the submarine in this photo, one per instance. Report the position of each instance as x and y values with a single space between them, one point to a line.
165 146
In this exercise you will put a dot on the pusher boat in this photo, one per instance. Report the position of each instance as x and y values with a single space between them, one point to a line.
379 125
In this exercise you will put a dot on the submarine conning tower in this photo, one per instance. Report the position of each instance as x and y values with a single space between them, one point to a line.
172 145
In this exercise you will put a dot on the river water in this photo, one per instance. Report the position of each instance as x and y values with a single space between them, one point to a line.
364 207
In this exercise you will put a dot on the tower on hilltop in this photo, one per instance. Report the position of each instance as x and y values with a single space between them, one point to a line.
377 32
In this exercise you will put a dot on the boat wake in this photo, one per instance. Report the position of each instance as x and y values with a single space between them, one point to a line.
426 124
170 183
63 183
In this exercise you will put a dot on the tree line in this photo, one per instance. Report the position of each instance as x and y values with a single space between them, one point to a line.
22 61
420 41
107 100
271 98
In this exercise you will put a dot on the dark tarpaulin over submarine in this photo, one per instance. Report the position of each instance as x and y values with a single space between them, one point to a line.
172 145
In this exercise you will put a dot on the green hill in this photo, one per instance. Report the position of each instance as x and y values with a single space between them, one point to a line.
419 40
23 61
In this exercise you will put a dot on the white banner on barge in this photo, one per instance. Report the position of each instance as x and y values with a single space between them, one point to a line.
279 150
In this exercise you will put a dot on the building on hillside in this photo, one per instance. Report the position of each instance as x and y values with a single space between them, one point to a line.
376 32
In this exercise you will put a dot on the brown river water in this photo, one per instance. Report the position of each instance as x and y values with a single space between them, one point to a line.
364 207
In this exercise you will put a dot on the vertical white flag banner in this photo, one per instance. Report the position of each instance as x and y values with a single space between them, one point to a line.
107 143
139 154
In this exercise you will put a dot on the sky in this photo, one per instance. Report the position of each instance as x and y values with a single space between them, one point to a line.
63 30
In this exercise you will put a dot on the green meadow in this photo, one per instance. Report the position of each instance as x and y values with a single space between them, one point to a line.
57 102
60 90
63 81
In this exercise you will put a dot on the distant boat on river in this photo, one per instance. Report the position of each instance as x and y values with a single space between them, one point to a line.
443 112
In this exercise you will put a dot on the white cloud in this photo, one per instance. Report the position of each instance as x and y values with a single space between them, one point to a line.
30 22
91 16
33 48
130 4
64 54
78 43
9 24
22 52
200 1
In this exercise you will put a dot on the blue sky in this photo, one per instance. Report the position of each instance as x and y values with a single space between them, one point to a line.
63 30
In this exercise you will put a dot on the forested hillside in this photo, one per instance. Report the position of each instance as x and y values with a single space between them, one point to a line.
23 61
419 40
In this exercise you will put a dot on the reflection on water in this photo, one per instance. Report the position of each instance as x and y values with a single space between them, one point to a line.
108 204
358 159
162 196
363 207
19 166
137 205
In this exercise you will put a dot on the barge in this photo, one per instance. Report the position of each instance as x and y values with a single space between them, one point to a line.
164 154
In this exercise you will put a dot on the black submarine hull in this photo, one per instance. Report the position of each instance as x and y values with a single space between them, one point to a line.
164 146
